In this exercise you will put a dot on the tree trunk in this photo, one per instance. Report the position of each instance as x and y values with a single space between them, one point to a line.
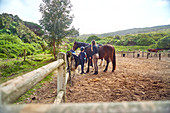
24 54
54 48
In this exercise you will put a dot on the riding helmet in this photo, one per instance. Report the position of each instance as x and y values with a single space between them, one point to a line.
82 48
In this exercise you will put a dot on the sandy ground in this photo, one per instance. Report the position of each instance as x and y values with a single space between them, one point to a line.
135 79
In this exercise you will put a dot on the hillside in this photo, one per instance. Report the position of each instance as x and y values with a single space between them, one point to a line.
17 35
12 24
129 31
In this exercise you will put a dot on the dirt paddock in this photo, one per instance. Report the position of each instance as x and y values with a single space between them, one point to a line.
135 79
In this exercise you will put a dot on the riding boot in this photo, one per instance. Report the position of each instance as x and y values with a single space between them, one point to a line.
95 73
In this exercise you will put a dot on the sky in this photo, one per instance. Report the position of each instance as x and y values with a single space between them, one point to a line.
99 16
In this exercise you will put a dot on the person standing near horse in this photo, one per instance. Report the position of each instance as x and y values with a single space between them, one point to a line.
94 56
82 57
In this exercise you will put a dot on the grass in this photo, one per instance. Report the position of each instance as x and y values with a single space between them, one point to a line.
32 90
131 48
12 68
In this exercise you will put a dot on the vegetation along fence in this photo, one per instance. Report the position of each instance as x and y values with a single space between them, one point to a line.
13 89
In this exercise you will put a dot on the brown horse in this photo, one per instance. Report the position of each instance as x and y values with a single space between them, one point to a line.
106 52
155 50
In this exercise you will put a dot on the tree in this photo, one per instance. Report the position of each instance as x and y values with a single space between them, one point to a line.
37 29
93 37
56 20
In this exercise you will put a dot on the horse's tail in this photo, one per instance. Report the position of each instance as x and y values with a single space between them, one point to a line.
114 60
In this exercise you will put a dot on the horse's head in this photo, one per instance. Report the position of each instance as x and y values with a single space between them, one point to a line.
75 61
79 44
72 60
75 46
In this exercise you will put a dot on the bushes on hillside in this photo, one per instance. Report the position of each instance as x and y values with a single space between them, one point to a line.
93 37
153 39
164 42
3 55
11 46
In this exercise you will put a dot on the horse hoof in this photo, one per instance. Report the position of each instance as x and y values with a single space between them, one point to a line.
112 70
87 71
104 70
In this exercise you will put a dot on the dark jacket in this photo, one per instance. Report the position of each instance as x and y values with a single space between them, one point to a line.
82 55
95 50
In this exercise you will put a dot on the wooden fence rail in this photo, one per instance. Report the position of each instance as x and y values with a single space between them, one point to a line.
117 107
11 90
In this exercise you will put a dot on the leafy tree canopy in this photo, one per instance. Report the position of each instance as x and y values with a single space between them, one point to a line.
93 37
56 20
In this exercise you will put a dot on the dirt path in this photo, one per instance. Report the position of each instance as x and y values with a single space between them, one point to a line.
135 79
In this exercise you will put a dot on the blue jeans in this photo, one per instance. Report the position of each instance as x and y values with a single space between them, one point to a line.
82 66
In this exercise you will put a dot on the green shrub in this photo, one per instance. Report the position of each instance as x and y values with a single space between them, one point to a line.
11 55
102 42
3 55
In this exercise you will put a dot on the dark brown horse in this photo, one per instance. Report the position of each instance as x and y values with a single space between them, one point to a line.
106 52
79 44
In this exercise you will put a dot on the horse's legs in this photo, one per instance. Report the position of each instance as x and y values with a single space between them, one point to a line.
114 62
106 65
113 66
101 62
88 65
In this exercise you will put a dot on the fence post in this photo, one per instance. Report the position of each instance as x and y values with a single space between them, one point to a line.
148 55
168 55
133 54
142 53
61 75
159 56
138 54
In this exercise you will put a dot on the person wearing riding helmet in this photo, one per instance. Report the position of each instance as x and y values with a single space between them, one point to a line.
82 55
94 56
